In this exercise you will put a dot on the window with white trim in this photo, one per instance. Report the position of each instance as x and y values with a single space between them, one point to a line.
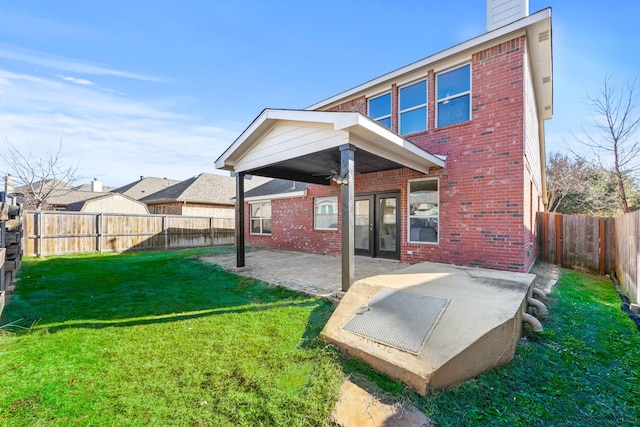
454 96
325 213
413 108
380 109
260 217
424 203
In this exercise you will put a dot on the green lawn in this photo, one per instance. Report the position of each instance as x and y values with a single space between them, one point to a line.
159 338
584 370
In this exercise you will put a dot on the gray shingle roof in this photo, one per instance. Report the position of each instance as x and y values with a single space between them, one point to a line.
77 206
144 187
204 188
276 186
66 197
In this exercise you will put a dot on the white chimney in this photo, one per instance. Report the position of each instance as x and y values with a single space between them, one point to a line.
96 186
503 12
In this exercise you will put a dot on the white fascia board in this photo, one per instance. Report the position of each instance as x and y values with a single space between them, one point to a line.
221 162
269 116
267 197
469 44
540 53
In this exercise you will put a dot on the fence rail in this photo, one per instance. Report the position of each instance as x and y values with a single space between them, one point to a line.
62 233
597 245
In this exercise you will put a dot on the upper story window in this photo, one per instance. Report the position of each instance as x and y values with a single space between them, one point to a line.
454 96
325 213
380 109
260 218
413 108
424 206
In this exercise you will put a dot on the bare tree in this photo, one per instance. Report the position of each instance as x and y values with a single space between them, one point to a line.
38 178
576 187
565 179
615 142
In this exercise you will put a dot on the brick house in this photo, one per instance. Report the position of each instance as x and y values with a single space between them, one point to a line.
441 160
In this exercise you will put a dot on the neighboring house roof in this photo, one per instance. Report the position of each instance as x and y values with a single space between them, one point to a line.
277 189
77 206
67 197
46 185
145 186
205 188
62 194
87 187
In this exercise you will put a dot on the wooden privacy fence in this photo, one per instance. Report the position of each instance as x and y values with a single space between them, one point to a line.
598 245
627 248
61 233
578 242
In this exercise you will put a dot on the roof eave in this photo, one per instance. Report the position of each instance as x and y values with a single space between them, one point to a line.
362 131
290 195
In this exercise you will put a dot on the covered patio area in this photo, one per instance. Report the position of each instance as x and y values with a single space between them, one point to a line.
319 147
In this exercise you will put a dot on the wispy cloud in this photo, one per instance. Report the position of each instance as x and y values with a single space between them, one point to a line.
111 136
82 82
42 59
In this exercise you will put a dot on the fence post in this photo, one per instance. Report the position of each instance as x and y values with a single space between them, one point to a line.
559 239
3 244
165 221
40 234
601 241
99 233
545 236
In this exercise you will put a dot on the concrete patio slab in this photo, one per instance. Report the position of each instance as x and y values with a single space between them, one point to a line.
314 274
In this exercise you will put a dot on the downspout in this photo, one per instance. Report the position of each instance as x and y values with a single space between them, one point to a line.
543 164
535 324
538 294
541 309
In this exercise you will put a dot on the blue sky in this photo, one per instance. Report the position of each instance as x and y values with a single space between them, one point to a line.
161 88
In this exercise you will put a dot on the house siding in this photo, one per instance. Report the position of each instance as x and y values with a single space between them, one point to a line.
214 211
195 209
489 193
532 130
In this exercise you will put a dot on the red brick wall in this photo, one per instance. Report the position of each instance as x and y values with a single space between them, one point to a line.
292 225
355 105
487 202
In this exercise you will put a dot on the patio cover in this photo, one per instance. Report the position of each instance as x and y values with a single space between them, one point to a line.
313 147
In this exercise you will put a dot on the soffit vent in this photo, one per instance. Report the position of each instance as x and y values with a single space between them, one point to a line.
546 79
543 36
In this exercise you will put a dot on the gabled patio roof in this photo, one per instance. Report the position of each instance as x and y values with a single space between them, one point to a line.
304 146
312 147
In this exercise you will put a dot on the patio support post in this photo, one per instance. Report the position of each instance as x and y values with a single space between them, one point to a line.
240 219
347 166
